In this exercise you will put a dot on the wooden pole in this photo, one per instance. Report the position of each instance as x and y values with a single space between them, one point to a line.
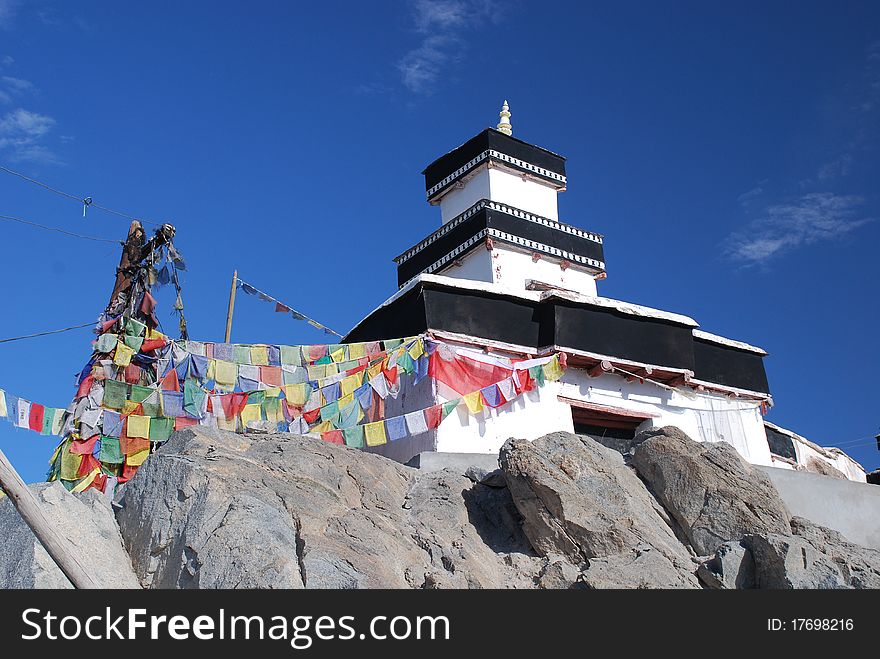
58 547
231 309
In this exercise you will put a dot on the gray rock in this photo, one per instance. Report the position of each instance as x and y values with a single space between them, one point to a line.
493 478
814 557
639 567
732 567
558 574
213 509
713 494
85 519
578 499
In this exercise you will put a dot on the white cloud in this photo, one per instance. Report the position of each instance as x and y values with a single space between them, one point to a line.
814 217
441 23
21 133
7 12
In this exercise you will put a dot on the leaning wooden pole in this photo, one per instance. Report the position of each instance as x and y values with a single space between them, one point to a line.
231 308
58 547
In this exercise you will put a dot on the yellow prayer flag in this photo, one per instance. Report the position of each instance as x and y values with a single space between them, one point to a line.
375 369
356 351
70 463
123 355
85 482
225 373
552 370
226 424
474 402
138 426
375 433
417 349
338 355
137 459
212 369
154 335
350 383
259 355
324 426
129 406
296 394
252 412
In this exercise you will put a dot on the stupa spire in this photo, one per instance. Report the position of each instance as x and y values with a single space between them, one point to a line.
504 125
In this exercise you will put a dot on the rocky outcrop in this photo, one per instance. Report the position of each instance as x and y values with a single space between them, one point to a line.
579 500
810 556
85 519
219 510
712 493
213 509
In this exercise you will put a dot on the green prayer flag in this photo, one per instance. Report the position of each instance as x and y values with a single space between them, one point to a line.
48 418
134 327
449 406
242 354
291 356
161 429
537 373
134 342
405 363
354 437
152 409
324 360
391 344
256 397
106 343
115 393
111 452
139 393
330 412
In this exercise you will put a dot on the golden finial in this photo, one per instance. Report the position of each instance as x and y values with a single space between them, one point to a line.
504 125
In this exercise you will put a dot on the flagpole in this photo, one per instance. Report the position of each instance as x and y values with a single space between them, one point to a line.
231 306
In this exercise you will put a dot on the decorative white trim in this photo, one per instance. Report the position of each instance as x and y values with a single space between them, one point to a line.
508 237
497 155
723 340
503 208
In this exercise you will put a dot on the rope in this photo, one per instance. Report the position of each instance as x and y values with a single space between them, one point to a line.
300 316
58 331
85 201
64 231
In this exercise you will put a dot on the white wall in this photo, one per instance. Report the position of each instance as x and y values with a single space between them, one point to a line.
511 268
504 187
703 418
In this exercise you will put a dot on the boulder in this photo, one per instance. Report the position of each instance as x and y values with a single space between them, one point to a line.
579 500
712 493
732 567
813 557
85 519
213 509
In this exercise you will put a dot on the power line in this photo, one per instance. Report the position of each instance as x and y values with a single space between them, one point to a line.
85 201
64 231
58 331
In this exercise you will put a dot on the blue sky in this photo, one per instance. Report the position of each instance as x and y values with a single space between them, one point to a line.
728 152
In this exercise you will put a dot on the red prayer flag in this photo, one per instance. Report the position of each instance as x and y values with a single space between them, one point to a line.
312 415
88 465
85 386
391 376
170 381
128 472
433 416
271 375
132 374
233 404
84 447
465 375
99 483
153 344
281 308
333 436
35 421
184 422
